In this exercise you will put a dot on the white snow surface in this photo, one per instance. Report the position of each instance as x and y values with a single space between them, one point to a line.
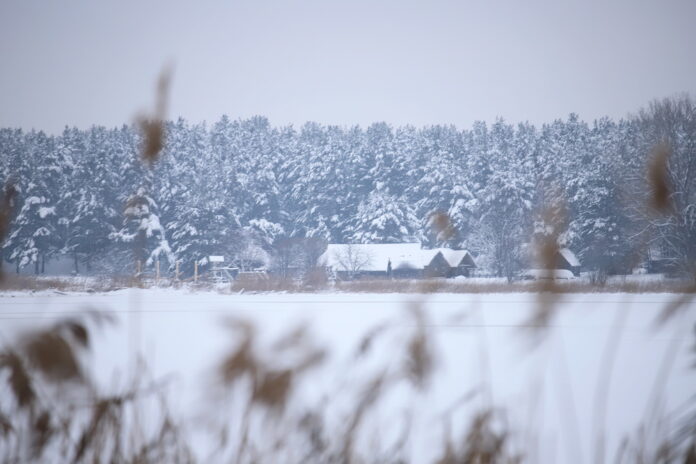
549 274
551 391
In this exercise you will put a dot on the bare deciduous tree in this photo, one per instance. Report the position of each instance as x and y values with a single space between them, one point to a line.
352 259
669 132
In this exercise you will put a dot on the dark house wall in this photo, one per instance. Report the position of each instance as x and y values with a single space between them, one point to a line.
465 267
407 273
345 275
438 267
562 263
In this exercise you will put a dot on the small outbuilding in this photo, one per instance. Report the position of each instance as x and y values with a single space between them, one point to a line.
566 259
218 272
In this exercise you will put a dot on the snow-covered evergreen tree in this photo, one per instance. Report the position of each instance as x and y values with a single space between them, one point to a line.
142 232
384 218
506 203
35 236
94 210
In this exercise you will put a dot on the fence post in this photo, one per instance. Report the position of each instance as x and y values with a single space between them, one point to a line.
137 268
195 271
157 271
176 273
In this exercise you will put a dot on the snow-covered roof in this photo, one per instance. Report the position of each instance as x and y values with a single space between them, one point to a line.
416 260
569 256
453 257
372 257
216 259
533 254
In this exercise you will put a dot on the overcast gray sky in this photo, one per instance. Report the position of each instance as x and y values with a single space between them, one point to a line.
341 62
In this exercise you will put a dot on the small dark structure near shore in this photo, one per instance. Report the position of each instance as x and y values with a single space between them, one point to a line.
566 259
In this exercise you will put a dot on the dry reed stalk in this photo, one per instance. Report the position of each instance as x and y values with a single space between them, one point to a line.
152 126
660 199
7 206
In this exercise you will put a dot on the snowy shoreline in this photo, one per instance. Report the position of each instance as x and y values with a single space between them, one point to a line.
68 285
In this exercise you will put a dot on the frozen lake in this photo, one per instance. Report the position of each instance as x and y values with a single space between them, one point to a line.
603 365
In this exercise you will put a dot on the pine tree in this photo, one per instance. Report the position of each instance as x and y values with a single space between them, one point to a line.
94 208
384 218
35 237
142 231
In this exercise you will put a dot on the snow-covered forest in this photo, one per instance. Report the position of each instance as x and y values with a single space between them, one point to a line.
243 188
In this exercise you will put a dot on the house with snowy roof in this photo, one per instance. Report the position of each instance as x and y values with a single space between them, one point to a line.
566 259
394 260
563 260
461 262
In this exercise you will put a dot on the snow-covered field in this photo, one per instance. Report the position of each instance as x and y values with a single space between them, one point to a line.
603 365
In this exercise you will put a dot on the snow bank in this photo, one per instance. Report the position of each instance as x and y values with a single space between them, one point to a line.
548 274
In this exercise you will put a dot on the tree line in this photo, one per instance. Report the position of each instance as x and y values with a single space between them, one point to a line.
246 189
